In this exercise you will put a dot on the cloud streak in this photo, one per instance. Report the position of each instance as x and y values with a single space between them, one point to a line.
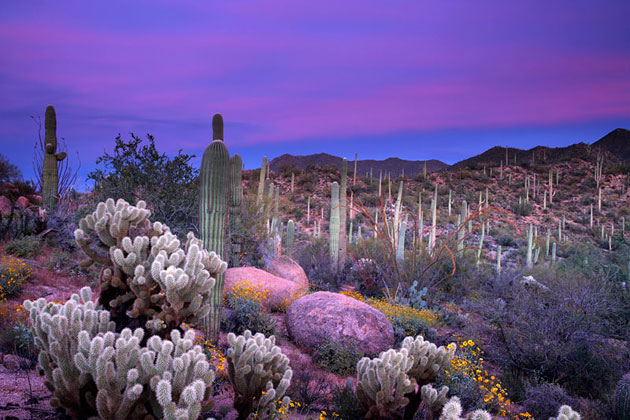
290 71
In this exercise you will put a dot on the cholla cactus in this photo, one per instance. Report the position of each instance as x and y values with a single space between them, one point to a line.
93 371
566 413
55 329
427 362
428 359
147 275
453 410
259 373
382 383
432 399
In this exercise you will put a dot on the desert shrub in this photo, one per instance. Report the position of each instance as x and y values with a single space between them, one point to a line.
307 388
408 321
140 172
346 402
8 171
338 358
255 245
559 332
505 236
59 260
19 223
24 247
246 301
13 273
314 257
467 377
543 401
522 209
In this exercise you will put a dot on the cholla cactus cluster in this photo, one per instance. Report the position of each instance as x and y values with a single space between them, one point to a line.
566 413
452 410
382 383
93 371
147 275
259 373
402 378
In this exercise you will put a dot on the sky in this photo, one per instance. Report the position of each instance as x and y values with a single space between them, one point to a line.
415 79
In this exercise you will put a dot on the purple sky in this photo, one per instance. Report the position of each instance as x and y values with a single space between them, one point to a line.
417 79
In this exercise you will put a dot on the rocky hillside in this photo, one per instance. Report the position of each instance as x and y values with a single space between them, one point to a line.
614 145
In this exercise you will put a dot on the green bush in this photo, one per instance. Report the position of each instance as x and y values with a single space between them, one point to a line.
410 327
24 247
169 186
543 401
338 358
346 402
248 315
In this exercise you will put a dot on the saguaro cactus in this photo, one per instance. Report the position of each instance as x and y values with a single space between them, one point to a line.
334 226
343 212
290 237
236 197
50 171
213 213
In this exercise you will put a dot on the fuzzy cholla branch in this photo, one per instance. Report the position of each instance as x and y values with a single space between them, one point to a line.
147 275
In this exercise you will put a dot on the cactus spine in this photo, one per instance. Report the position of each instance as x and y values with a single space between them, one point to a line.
213 213
50 170
334 226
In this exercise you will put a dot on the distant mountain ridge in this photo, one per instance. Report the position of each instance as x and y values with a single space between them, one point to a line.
395 166
614 145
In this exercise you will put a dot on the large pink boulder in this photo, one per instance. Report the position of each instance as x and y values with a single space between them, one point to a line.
286 268
23 202
321 316
282 292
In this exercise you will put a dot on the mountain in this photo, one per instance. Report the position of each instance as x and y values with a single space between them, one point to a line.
395 166
615 145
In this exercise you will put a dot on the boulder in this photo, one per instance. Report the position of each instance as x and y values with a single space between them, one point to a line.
5 205
321 316
286 268
23 202
281 291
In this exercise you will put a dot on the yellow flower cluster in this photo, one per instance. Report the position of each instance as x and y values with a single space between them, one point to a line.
353 294
13 273
215 357
245 290
468 362
393 310
282 410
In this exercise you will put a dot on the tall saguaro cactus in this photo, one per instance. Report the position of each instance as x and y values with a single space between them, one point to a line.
334 226
50 171
236 197
213 213
343 213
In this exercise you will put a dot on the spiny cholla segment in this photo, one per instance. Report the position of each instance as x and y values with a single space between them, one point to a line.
256 364
147 274
93 371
